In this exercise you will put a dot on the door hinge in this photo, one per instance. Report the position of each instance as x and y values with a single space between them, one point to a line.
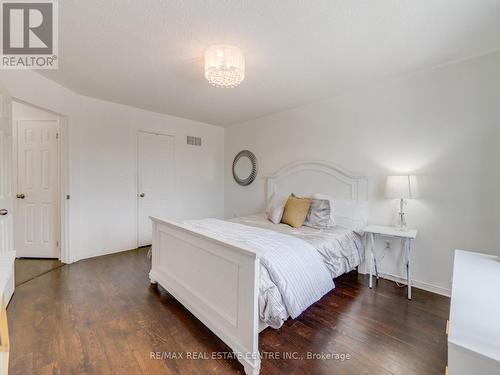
57 243
57 135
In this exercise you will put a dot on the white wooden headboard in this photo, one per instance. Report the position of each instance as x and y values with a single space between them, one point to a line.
307 177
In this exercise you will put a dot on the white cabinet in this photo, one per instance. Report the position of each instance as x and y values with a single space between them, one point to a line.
474 327
7 260
6 290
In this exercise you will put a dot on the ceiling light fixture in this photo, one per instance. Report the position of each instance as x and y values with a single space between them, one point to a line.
224 66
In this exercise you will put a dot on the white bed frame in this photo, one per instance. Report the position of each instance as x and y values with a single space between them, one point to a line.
218 281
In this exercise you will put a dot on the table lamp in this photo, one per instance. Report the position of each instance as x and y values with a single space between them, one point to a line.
402 188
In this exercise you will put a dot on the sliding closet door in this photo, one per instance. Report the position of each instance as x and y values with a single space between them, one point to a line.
155 154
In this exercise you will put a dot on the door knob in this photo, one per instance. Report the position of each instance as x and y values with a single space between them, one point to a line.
20 196
3 212
142 195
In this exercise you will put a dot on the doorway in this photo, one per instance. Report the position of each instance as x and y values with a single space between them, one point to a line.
155 181
37 182
6 200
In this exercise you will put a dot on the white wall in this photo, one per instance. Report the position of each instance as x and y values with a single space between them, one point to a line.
23 111
6 110
102 146
442 125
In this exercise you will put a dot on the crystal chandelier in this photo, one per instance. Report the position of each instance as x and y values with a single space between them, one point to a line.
224 66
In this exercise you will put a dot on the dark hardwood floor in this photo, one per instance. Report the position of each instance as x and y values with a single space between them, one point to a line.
101 316
27 268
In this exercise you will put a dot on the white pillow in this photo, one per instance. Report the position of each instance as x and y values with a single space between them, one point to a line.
347 213
351 214
275 207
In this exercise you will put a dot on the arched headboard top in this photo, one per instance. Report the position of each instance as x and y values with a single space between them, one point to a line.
306 177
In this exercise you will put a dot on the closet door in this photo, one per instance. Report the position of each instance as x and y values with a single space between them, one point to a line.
155 162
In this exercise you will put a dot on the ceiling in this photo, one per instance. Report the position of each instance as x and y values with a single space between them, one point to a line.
149 54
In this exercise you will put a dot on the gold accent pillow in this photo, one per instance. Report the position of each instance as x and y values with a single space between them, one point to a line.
295 211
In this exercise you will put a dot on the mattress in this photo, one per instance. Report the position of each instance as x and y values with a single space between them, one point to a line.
340 249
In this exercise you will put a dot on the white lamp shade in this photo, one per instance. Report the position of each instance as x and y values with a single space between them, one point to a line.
401 187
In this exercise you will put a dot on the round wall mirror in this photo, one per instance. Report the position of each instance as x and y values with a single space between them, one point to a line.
244 167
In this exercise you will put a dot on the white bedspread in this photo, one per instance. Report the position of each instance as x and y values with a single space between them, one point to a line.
341 249
293 265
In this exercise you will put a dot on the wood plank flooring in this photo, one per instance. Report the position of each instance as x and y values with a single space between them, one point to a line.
29 268
101 316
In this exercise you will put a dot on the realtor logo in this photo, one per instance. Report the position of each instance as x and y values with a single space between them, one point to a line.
29 35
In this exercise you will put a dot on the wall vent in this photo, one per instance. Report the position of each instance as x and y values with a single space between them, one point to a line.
193 141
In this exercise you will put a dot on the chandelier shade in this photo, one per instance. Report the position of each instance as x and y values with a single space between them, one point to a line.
224 66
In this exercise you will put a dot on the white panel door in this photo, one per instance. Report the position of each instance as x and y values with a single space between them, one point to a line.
37 209
155 153
6 196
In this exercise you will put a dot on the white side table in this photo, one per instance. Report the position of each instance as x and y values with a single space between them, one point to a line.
407 236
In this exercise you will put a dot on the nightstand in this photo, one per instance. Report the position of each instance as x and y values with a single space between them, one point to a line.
406 235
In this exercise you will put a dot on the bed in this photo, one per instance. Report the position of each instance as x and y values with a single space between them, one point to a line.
242 275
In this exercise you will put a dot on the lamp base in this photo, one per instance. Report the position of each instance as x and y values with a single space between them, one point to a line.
402 216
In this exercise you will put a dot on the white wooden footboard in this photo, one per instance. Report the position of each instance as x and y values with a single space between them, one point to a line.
216 281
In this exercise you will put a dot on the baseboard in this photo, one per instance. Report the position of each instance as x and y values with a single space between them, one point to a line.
418 284
364 269
99 254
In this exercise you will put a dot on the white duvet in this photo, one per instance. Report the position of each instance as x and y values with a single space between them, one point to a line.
285 250
293 265
340 248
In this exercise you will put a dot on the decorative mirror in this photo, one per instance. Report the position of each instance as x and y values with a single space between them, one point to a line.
244 167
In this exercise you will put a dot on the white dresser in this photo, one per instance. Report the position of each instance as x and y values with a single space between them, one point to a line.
474 327
6 290
7 275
